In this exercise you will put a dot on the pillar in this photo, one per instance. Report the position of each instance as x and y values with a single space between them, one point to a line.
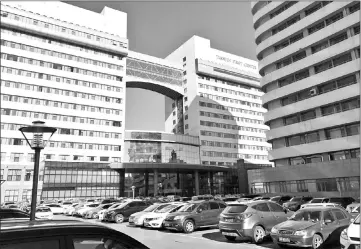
155 181
121 182
146 183
196 181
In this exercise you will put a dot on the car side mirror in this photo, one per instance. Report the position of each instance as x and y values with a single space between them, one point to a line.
328 221
200 210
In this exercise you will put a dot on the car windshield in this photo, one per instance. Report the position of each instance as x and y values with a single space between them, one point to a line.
166 209
296 199
43 210
316 200
307 215
151 208
67 203
234 209
188 208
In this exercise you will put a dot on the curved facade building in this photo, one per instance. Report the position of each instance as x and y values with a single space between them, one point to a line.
309 60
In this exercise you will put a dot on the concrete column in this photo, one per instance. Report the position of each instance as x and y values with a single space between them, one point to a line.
155 181
196 181
121 182
146 183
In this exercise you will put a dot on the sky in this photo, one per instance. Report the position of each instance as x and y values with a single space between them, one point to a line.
158 28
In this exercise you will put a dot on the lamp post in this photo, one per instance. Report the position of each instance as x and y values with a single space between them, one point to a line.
133 189
34 136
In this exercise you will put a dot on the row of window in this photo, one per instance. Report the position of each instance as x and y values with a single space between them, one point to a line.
231 127
66 131
15 175
65 44
228 108
62 29
326 22
234 146
330 133
49 103
230 135
219 163
318 68
230 117
331 156
229 91
64 118
233 155
325 110
339 184
225 99
320 89
228 82
318 47
60 55
62 144
13 84
59 79
12 57
260 5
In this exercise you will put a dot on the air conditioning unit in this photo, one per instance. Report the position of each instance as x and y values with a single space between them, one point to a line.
313 91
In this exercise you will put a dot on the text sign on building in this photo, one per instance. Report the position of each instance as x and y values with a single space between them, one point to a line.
237 62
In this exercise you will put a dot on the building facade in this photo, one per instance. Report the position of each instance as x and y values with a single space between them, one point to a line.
71 71
221 104
309 56
67 71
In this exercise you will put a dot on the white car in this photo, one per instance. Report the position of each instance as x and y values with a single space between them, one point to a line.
55 208
155 219
44 213
81 211
137 219
66 204
350 237
319 205
68 210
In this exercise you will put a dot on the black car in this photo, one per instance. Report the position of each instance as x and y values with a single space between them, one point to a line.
295 203
124 211
281 199
9 213
343 201
63 234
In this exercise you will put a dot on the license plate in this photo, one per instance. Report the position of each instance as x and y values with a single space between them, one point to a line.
284 239
228 220
230 234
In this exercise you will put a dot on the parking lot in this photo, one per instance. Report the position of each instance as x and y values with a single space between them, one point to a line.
204 238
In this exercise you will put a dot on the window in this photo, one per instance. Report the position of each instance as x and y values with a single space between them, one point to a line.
308 115
327 215
319 47
326 185
263 207
275 207
313 9
334 18
214 205
339 214
28 175
342 59
16 157
12 195
338 38
354 8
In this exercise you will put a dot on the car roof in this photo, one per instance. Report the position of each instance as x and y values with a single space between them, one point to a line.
321 208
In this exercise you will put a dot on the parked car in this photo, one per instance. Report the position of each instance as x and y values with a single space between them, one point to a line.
62 235
295 203
69 210
259 198
109 200
8 213
155 219
319 200
352 205
173 198
243 199
253 220
202 197
350 237
101 213
66 204
92 213
81 211
186 199
309 205
228 200
194 215
55 208
343 201
44 213
281 199
122 213
311 227
137 219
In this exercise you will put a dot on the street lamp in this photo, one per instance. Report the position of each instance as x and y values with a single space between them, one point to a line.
133 189
34 136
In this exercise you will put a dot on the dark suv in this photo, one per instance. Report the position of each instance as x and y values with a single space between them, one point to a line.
123 212
342 201
295 203
63 234
195 214
281 199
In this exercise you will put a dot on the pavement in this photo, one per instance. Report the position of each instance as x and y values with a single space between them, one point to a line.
203 238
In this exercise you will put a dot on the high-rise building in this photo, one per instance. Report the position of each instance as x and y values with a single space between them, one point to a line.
65 69
309 60
221 104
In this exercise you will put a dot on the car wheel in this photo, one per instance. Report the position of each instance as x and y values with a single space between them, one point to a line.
258 234
188 226
317 241
230 238
119 218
